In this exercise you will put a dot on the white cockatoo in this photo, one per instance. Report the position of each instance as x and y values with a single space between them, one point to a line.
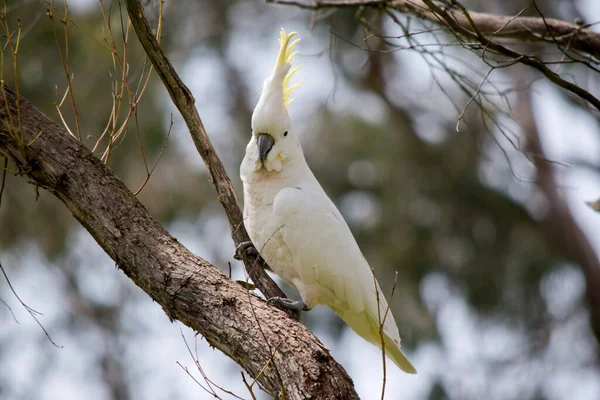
298 230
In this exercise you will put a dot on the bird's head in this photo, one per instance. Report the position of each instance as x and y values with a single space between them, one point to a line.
271 127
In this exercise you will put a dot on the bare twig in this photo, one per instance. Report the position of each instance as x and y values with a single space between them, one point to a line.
249 387
10 310
65 61
30 310
56 11
14 50
162 150
123 97
381 320
209 382
265 367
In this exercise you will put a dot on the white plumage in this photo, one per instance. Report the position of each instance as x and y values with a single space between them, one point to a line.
298 230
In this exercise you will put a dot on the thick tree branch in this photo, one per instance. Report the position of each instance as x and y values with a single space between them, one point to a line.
185 103
187 287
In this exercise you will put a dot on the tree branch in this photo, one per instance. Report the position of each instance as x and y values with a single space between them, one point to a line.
483 27
185 103
186 286
444 15
531 29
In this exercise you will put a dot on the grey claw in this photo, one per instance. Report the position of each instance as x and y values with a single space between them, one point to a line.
295 305
246 247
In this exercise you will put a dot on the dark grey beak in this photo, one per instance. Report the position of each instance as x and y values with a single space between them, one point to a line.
265 143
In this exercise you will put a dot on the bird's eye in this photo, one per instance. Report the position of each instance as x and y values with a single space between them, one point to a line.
285 133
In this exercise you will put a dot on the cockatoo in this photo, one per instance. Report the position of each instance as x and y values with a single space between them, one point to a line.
298 230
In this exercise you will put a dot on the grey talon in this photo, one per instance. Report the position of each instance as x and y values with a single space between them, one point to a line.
246 247
288 304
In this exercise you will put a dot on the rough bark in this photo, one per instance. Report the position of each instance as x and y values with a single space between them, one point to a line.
185 103
187 287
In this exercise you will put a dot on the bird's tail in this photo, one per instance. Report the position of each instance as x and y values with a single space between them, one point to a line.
368 329
393 351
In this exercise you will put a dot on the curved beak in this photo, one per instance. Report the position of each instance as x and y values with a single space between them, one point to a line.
265 143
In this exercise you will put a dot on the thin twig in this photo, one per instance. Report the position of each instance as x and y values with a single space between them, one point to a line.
248 386
209 382
10 310
381 334
187 371
162 150
30 310
65 62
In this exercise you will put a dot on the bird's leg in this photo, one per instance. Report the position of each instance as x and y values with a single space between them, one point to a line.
247 247
295 305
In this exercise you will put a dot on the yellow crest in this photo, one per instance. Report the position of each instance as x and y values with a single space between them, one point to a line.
285 57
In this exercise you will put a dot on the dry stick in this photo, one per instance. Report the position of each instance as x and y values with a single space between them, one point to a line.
184 101
114 129
383 360
209 382
265 367
119 87
385 315
9 310
14 49
30 310
248 386
65 62
187 371
56 11
162 150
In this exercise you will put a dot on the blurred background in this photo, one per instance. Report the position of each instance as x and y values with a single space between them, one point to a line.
480 210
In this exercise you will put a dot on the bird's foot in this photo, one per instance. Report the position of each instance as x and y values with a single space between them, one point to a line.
245 247
294 305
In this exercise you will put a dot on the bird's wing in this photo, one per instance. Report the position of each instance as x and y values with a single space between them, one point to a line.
324 250
328 259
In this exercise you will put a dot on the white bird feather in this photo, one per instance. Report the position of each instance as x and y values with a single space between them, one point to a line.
296 227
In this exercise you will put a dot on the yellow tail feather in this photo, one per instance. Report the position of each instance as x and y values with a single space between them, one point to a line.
395 353
368 329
